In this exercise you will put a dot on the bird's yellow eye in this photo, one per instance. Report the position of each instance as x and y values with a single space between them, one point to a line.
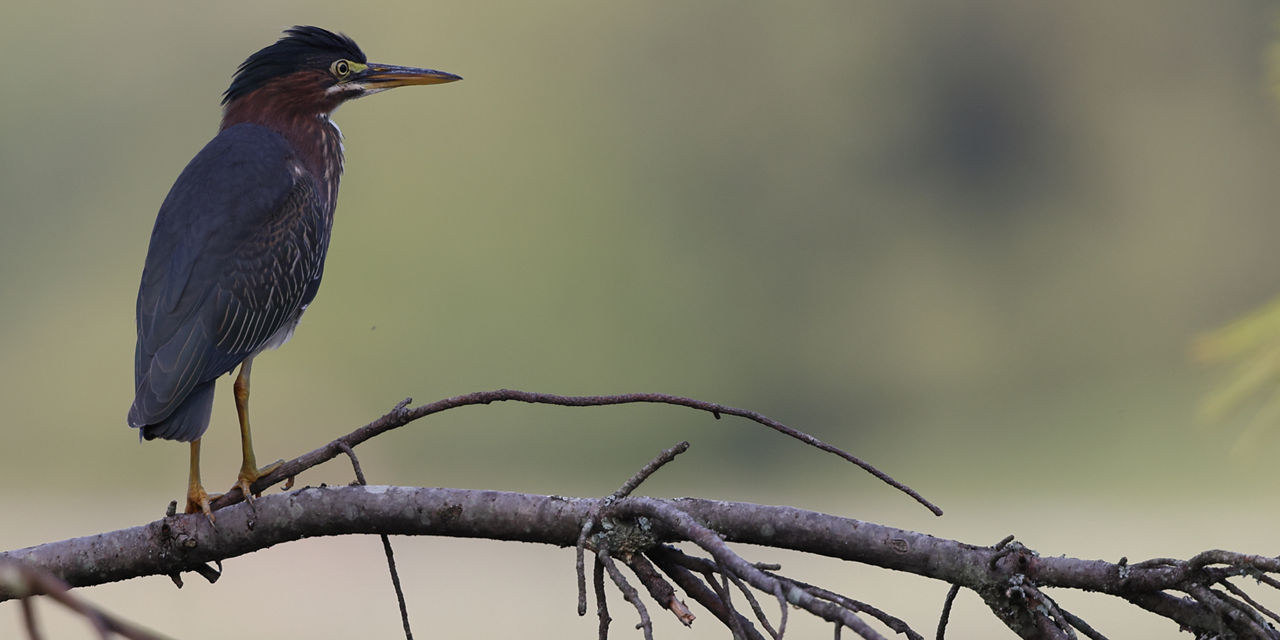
341 69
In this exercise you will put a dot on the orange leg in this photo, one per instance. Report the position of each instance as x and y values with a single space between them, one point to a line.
249 470
197 498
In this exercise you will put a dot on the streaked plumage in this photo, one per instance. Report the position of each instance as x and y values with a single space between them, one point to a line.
228 271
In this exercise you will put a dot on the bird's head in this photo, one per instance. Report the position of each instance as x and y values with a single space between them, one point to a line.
311 71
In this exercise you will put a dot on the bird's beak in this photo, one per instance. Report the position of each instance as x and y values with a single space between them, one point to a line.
387 76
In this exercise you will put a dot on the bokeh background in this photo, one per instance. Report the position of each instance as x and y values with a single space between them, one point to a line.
970 242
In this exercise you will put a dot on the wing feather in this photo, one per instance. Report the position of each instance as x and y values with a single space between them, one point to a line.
206 301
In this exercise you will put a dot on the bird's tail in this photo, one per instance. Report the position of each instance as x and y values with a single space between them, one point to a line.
189 421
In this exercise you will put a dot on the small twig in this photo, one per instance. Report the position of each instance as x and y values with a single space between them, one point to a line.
1081 625
1186 612
725 578
29 620
209 573
628 592
1047 613
1003 548
1059 616
1159 562
1253 603
386 541
668 556
659 589
782 602
395 583
400 407
722 591
355 462
897 625
667 455
857 606
1267 580
602 607
30 581
946 611
1234 559
1216 603
776 634
665 558
1239 616
580 550
1027 611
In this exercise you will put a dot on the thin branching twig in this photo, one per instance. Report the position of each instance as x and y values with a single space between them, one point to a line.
665 558
946 611
402 415
31 582
856 606
660 590
386 549
1240 593
629 592
1082 626
602 606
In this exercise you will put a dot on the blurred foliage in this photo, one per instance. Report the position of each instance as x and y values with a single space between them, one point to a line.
1251 343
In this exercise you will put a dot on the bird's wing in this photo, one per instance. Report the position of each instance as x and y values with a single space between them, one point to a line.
227 266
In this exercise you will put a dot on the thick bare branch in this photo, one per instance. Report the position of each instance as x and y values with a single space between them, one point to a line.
187 542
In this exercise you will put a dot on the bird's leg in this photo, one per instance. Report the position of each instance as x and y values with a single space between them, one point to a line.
197 498
249 471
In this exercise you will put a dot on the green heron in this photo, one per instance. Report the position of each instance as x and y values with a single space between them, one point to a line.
239 243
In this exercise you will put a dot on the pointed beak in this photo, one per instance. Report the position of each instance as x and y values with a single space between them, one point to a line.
387 76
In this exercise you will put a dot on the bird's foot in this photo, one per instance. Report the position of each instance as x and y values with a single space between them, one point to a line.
198 501
250 474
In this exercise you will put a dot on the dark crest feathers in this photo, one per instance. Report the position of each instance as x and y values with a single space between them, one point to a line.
300 48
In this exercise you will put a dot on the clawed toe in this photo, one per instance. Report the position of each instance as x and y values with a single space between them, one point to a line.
198 501
250 475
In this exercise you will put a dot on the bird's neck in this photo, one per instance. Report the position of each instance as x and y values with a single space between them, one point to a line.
313 136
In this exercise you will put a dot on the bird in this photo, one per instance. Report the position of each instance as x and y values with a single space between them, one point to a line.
239 243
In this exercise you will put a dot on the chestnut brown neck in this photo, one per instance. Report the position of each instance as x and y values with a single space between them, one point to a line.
297 108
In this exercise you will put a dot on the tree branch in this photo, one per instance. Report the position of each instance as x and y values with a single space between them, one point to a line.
637 531
1016 578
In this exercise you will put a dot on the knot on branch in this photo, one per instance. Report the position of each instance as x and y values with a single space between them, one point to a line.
1016 556
625 536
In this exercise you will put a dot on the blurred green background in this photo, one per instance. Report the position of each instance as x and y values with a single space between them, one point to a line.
970 244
